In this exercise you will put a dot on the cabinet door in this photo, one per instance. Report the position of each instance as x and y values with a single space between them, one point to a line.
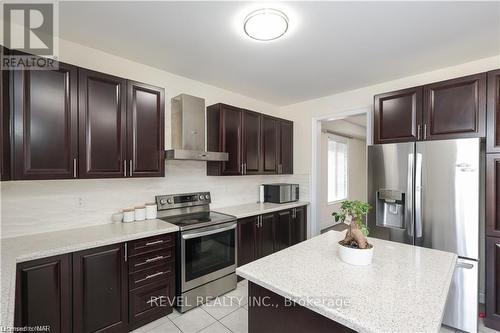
265 235
43 294
455 108
102 125
285 147
493 195
247 228
251 143
493 124
231 139
397 116
283 229
492 319
100 290
269 135
299 225
4 121
45 123
145 134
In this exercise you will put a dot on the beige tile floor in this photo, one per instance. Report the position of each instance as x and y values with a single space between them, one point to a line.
223 316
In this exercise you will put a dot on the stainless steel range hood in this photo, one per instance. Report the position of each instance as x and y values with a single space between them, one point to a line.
188 131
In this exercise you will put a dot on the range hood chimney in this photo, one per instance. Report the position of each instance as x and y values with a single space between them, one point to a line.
188 131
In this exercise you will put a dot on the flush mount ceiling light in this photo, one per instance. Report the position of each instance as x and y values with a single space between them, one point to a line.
266 24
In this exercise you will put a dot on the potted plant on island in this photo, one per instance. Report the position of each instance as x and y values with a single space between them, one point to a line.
354 249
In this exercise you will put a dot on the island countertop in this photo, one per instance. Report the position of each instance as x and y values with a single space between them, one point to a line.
403 290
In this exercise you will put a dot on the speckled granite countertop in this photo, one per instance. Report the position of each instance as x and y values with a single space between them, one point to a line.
24 248
403 290
253 209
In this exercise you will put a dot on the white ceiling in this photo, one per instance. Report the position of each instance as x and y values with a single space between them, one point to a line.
331 46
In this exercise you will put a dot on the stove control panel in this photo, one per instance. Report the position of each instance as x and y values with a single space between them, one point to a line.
182 200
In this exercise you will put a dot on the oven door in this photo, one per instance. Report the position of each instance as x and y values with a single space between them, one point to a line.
207 254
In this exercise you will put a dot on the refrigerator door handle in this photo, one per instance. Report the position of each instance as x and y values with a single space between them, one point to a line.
418 196
461 264
409 196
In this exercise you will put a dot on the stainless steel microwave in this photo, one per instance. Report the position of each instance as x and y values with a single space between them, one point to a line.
281 192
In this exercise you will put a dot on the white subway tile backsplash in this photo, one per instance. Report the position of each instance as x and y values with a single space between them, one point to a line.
39 206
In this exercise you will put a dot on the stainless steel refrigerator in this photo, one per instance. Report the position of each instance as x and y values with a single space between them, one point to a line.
427 194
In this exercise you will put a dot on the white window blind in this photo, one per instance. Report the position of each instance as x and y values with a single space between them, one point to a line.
337 168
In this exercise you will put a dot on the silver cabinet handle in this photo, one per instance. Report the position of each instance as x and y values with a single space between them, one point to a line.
154 243
150 277
124 168
425 131
126 254
241 169
74 168
130 168
418 132
154 259
245 168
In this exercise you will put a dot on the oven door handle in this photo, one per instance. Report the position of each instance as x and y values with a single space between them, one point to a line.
211 231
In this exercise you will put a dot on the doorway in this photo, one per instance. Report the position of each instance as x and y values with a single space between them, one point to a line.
339 165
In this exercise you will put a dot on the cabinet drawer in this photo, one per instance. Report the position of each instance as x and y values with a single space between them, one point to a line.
149 303
150 259
150 244
150 275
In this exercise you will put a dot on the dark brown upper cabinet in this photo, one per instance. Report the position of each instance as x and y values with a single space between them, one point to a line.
102 125
251 145
270 141
145 134
256 143
449 109
44 109
43 294
455 108
100 290
397 115
224 126
285 146
493 106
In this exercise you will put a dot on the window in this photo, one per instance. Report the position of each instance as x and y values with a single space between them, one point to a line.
337 168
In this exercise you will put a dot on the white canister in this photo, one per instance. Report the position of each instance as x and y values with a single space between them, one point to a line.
151 211
128 215
261 193
140 213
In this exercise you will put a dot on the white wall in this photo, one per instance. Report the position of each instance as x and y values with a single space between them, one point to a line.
39 206
356 178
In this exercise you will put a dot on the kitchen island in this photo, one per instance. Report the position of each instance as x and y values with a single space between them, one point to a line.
403 290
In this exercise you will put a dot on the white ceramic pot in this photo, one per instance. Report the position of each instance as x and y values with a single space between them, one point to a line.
358 257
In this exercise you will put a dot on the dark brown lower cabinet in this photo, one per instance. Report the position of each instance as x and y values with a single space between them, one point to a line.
283 229
43 294
100 290
261 235
492 319
247 230
298 229
277 315
265 236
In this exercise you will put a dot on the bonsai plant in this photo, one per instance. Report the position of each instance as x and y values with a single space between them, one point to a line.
355 238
